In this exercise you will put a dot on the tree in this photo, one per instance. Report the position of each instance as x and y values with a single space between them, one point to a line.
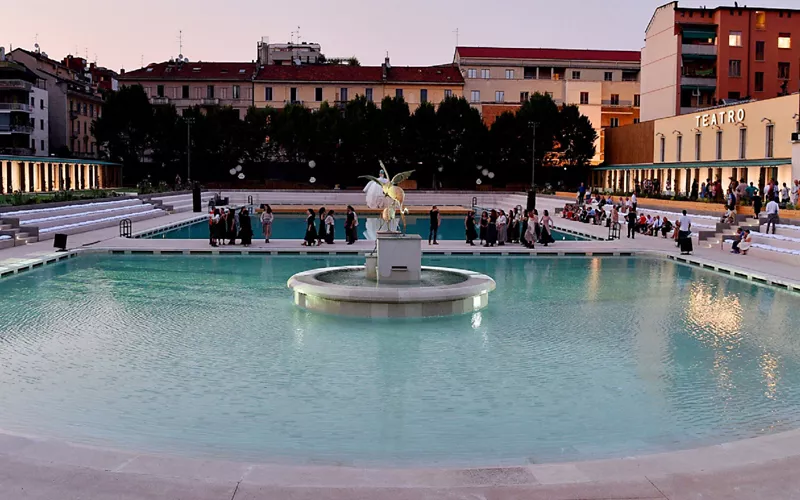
424 145
576 137
543 111
510 138
125 128
462 136
395 122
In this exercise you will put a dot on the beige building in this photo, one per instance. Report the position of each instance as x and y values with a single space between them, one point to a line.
310 85
604 84
751 141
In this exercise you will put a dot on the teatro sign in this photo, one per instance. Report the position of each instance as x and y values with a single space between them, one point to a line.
721 118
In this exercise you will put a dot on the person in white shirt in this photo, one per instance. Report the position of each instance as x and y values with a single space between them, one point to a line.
684 232
772 215
633 201
795 193
785 194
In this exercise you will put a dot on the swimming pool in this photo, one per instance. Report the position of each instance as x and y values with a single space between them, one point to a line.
573 359
292 227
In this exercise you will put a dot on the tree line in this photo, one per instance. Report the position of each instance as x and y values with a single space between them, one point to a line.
448 145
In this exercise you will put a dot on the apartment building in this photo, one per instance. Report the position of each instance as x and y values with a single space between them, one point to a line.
186 84
604 84
312 84
17 84
73 101
696 58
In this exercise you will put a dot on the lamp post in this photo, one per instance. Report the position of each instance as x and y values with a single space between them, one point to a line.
189 122
532 192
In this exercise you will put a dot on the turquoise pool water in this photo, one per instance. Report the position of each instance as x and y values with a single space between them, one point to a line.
573 359
292 227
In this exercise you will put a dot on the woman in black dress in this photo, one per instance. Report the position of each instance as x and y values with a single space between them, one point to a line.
321 226
230 225
245 228
491 231
469 225
484 226
311 232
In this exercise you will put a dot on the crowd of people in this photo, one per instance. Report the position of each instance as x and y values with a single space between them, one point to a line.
321 227
517 226
230 225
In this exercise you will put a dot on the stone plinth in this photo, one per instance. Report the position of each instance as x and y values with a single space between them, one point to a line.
399 257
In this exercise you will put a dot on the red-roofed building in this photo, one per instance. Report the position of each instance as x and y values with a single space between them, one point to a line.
186 84
603 83
313 84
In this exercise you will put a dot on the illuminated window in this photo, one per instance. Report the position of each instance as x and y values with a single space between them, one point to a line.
735 39
784 41
761 20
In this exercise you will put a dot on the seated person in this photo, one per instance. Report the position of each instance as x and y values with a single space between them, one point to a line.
656 226
744 246
666 227
729 217
591 214
641 224
737 240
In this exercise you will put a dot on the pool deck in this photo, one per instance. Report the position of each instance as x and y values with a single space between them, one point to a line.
761 468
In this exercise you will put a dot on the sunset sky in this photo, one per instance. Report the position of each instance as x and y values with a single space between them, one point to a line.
414 32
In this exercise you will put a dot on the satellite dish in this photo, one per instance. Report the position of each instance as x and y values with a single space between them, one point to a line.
186 59
36 45
180 56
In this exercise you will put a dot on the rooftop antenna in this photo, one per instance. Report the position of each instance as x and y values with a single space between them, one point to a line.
456 32
142 61
180 42
298 34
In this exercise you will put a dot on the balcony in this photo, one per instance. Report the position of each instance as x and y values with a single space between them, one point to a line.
15 85
617 104
209 101
16 129
702 50
159 101
17 151
15 106
699 81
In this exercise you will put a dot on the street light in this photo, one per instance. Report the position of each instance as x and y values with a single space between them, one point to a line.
189 122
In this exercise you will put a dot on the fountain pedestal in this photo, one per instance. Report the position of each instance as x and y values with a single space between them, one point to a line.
398 258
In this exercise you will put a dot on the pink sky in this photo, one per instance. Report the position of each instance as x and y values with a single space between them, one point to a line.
414 32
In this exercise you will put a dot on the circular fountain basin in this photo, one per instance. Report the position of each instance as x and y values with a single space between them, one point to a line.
346 291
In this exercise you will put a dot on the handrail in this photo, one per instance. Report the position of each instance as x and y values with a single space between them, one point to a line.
125 228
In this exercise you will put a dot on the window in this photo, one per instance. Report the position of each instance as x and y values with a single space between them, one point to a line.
41 124
42 144
719 144
475 96
33 122
785 41
160 90
318 94
662 149
499 96
735 68
630 76
33 101
609 76
223 93
448 93
472 73
742 143
761 20
423 95
84 128
41 103
735 39
679 149
368 94
576 75
635 121
398 93
584 98
185 92
615 99
784 70
770 146
509 74
293 94
637 100
71 105
268 94
485 73
759 81
210 91
614 122
734 96
237 92
697 143
91 110
760 50
524 96
85 109
343 94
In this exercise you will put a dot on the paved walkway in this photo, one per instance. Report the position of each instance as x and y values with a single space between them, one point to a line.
761 468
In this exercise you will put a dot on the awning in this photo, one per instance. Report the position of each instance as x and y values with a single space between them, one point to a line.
766 162
699 34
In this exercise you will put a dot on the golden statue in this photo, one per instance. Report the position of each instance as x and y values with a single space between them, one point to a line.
394 192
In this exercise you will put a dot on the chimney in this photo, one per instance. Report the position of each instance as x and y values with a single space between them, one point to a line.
385 68
122 71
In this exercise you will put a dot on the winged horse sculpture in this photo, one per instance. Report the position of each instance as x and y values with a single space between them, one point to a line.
394 192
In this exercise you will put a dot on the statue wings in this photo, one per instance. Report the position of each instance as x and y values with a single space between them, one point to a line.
371 178
397 179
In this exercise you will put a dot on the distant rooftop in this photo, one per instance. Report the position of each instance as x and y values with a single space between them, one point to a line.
342 73
193 71
551 54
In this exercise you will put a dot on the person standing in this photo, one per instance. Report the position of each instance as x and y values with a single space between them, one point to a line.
547 227
349 224
213 221
469 227
581 194
266 222
484 225
693 195
311 232
245 228
631 218
502 228
757 205
491 229
232 226
321 226
435 220
772 215
785 195
795 193
529 238
634 201
684 234
329 227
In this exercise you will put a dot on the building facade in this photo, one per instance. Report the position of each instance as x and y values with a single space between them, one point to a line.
187 84
696 58
751 141
30 174
73 101
311 85
17 85
604 84
40 121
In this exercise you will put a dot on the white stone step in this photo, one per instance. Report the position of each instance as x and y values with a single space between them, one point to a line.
23 215
66 219
83 227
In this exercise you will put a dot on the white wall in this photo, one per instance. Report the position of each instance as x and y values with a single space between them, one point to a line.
660 61
39 115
